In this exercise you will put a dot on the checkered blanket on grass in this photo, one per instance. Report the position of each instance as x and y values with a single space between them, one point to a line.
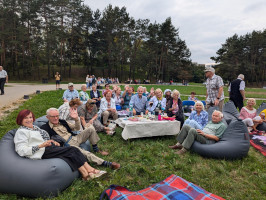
258 141
172 188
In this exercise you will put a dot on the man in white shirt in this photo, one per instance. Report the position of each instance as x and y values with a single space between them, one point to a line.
3 79
237 91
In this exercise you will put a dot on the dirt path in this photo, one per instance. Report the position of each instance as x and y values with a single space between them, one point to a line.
14 94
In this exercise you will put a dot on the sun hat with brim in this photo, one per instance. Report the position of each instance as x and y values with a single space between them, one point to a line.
167 90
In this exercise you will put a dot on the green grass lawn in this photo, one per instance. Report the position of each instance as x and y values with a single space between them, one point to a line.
149 160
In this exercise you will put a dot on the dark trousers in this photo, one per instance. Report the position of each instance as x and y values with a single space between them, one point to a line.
73 157
2 84
238 103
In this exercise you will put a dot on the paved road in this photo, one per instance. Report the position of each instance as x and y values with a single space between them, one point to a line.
16 91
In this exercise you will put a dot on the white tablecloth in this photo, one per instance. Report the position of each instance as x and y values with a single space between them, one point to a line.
148 128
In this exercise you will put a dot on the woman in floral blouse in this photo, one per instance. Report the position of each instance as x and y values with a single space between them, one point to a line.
198 118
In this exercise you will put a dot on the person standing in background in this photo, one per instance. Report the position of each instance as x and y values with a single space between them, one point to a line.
237 91
215 91
57 80
88 81
3 79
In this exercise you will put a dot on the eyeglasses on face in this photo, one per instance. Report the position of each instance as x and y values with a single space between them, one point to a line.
55 116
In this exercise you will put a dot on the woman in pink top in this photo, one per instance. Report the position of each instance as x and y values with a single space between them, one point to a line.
249 114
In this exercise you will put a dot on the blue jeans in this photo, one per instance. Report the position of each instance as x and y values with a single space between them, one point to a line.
193 124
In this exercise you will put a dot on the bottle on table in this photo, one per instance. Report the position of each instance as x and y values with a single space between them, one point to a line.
130 110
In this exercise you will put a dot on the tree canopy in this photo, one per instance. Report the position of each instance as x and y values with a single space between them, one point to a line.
63 33
243 55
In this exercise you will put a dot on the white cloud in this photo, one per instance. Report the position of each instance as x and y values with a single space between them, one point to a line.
203 24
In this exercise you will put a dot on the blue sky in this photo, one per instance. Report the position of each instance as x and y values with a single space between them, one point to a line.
203 24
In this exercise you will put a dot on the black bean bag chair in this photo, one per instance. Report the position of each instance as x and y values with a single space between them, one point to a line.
31 178
261 127
230 112
233 145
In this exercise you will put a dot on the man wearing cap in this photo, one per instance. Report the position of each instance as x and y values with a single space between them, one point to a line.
3 79
71 93
237 91
215 92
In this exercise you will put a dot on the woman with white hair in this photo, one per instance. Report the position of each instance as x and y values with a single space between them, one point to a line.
174 107
83 95
156 103
198 118
249 114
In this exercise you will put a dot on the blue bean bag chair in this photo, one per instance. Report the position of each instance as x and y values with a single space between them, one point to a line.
233 145
261 127
31 178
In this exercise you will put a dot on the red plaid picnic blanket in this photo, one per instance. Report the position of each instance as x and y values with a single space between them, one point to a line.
258 141
172 188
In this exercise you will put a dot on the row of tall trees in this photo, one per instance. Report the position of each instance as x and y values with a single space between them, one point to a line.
63 33
244 54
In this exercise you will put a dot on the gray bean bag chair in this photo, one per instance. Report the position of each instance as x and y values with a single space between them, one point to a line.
31 178
233 145
261 127
230 112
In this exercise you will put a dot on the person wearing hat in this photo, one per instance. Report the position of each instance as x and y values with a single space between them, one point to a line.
168 96
71 93
3 79
215 92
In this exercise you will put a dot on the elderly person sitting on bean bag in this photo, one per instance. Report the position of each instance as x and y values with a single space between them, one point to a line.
198 117
210 134
107 107
249 114
35 143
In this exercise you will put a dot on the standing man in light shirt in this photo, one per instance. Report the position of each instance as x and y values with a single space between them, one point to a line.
237 91
3 79
215 92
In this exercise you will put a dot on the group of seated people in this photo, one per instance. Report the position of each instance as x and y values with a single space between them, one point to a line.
114 100
56 138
